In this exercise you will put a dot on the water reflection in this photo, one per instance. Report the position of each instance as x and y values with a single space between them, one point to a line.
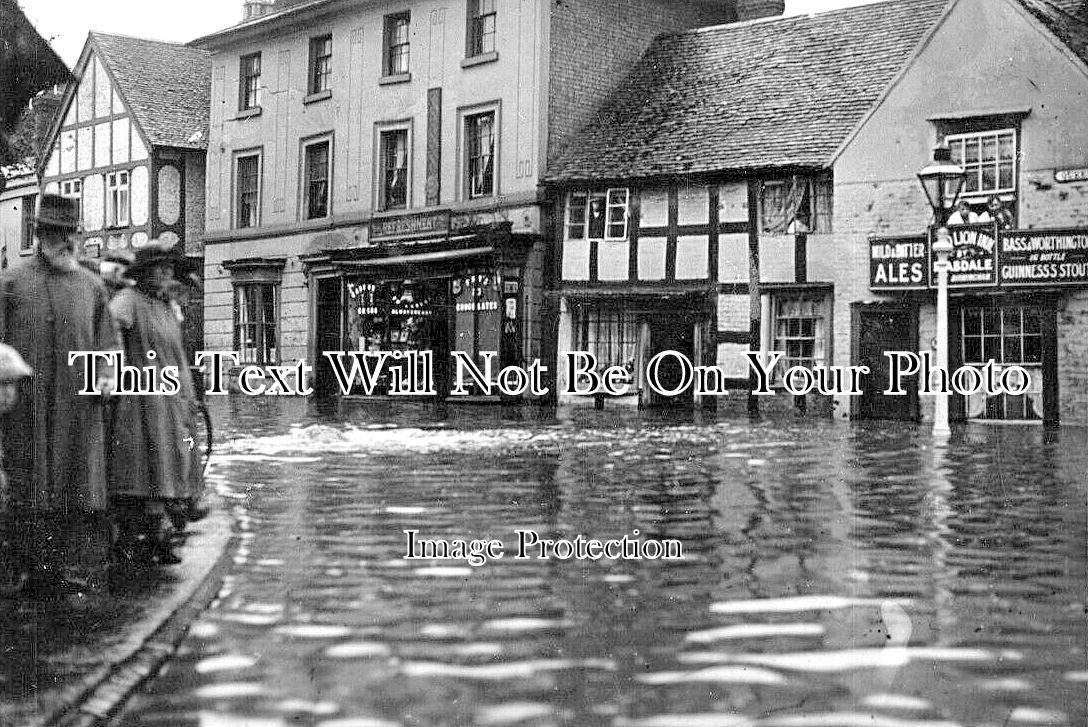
833 575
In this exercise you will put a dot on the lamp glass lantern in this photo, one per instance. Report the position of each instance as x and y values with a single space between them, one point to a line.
942 180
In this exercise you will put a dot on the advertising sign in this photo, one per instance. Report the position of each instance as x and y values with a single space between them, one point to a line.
982 257
1044 257
898 263
973 261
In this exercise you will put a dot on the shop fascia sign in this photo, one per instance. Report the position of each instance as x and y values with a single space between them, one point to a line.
982 257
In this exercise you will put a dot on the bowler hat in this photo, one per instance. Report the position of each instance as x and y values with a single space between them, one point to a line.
57 211
152 254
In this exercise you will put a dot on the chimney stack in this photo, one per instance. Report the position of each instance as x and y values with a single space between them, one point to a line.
252 9
755 9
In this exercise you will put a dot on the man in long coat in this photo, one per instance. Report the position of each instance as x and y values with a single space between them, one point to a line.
53 438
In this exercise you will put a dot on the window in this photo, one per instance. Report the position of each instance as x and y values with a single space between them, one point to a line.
320 64
249 82
1008 335
989 158
26 241
796 205
477 316
117 194
598 215
480 155
481 27
73 189
610 334
255 323
800 331
393 154
247 181
396 44
315 201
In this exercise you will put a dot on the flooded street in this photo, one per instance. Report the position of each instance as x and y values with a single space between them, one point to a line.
833 575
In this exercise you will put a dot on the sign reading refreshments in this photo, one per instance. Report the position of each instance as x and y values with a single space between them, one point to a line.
982 257
412 225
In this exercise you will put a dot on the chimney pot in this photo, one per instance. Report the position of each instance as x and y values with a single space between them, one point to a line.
755 9
256 8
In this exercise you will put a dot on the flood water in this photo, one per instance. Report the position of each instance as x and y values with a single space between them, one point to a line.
833 575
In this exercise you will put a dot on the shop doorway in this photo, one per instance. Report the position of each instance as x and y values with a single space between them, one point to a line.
878 329
328 335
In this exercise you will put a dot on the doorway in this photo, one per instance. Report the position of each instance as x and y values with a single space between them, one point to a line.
877 329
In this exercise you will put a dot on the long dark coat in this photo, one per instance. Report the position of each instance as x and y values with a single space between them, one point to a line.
53 438
152 443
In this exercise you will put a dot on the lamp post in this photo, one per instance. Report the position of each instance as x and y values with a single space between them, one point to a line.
942 181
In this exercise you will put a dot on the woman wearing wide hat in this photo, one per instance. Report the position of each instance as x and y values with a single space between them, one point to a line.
151 470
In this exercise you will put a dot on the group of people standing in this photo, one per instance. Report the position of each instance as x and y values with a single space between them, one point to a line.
91 482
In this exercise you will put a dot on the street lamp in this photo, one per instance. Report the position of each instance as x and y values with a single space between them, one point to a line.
942 181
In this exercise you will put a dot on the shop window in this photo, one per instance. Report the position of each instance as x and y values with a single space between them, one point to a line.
798 204
247 185
1007 335
393 156
479 162
481 27
320 64
249 82
598 215
396 44
73 189
316 166
255 306
609 333
799 330
117 199
26 239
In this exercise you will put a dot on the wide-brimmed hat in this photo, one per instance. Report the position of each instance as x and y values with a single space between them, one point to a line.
122 256
152 254
59 212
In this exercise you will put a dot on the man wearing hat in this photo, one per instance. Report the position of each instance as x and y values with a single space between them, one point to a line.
152 472
53 439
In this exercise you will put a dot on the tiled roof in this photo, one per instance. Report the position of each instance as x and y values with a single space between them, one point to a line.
167 85
767 94
1064 20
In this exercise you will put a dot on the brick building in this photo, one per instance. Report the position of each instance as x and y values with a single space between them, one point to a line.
737 189
129 143
374 167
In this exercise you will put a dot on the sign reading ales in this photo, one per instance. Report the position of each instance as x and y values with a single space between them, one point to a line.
898 263
982 257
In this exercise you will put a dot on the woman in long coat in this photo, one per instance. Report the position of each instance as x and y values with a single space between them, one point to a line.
152 437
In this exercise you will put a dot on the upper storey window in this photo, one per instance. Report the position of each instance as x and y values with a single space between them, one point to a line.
481 27
249 82
320 64
397 44
598 215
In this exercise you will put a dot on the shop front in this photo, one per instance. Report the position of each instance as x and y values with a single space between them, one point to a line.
627 329
1007 289
430 294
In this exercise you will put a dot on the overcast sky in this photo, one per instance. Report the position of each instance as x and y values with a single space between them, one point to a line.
66 22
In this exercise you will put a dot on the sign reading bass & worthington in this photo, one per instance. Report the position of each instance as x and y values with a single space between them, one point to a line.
1041 257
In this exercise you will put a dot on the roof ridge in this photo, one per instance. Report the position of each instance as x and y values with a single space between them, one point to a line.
144 39
820 14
